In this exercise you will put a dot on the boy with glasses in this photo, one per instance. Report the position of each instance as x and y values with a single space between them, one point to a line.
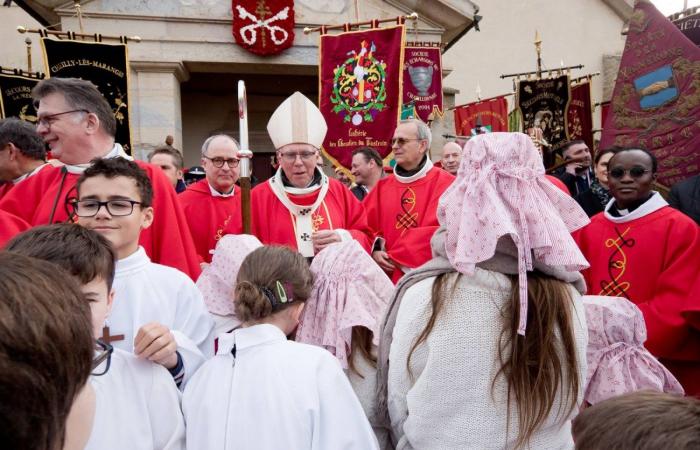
213 204
642 249
137 403
158 314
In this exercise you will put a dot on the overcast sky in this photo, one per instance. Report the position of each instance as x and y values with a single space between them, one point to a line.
668 7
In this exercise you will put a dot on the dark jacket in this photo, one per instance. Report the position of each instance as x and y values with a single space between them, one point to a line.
359 192
575 184
685 197
589 202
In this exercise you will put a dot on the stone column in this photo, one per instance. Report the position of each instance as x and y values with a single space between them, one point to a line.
156 110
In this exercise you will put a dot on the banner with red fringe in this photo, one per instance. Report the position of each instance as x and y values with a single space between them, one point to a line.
579 114
360 86
263 27
422 74
656 101
491 115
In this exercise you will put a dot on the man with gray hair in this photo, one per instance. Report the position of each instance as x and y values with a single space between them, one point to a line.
401 209
78 125
213 205
22 153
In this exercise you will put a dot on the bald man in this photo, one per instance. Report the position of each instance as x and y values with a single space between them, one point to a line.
451 154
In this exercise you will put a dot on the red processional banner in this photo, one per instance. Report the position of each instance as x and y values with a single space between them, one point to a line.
422 75
579 114
263 27
360 77
491 114
656 101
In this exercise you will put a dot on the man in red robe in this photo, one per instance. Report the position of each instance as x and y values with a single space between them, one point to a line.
10 225
642 249
22 153
300 206
77 123
401 209
213 204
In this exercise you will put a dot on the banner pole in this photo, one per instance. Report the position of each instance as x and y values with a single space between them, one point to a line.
245 155
79 12
28 42
307 30
67 34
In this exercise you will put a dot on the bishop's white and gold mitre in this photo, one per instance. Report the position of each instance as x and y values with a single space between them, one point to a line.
297 120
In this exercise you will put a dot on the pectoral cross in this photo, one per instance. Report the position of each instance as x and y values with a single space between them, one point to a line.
107 338
262 10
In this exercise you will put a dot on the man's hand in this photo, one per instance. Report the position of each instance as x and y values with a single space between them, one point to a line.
385 262
574 167
156 343
323 238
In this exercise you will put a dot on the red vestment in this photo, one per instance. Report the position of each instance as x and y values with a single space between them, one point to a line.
654 261
272 222
5 188
209 216
405 215
167 241
10 226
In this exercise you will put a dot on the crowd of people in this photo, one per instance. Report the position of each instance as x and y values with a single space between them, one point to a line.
471 304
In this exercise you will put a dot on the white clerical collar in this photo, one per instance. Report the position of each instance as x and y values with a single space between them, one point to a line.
215 193
655 203
28 174
303 223
301 191
416 176
134 262
246 337
117 150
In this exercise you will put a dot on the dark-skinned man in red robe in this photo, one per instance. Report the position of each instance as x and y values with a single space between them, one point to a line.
300 206
213 205
78 125
401 209
642 249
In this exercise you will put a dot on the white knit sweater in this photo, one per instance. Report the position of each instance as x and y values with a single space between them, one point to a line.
448 404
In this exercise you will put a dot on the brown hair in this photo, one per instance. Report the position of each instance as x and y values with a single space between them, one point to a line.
168 149
84 253
369 154
120 167
532 365
643 420
257 282
46 350
24 136
80 95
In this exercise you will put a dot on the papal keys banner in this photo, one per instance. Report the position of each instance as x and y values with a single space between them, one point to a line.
16 96
263 27
360 85
656 101
422 80
491 114
106 65
543 103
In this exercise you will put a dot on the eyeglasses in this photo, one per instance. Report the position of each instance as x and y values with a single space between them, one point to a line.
104 352
402 141
46 121
292 156
635 172
219 162
116 208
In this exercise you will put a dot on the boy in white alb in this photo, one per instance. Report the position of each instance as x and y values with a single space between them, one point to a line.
158 314
137 403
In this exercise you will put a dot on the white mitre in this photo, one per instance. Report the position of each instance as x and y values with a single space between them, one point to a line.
297 120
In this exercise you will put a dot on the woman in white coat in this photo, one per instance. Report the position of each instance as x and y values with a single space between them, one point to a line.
262 391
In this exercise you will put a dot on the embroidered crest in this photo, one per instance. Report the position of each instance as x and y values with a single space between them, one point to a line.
316 221
617 265
407 219
263 27
656 88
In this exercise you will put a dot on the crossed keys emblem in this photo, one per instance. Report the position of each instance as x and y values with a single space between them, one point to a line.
249 33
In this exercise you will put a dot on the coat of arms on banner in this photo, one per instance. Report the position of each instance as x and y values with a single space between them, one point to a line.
358 86
263 27
423 80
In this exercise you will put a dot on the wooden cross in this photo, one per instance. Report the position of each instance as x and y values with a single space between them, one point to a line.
107 339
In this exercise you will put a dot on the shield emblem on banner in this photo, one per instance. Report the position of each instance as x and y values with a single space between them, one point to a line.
263 27
656 88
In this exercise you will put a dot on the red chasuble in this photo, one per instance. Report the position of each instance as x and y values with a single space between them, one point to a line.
167 241
405 215
5 188
10 226
654 261
209 216
272 222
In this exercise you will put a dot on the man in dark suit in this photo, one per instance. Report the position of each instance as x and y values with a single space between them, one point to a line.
685 197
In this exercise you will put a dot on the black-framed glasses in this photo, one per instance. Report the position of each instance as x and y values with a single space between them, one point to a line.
219 162
635 172
46 121
103 352
403 141
292 156
116 208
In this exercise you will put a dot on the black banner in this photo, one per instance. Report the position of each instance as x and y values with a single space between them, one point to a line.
543 104
690 26
16 96
106 65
